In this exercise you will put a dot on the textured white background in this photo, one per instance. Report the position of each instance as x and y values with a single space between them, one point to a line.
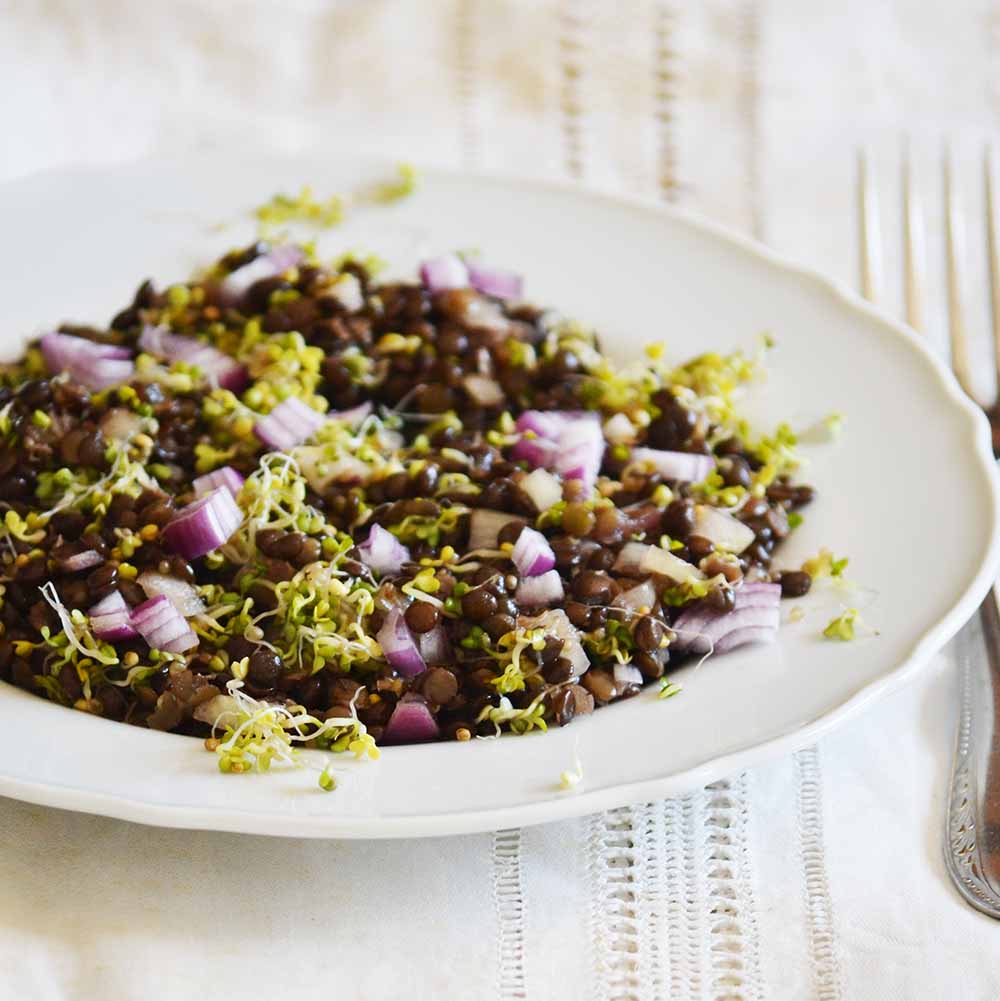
819 876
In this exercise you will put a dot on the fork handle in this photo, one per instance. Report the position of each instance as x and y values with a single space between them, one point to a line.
972 847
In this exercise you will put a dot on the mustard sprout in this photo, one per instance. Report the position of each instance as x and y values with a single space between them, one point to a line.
257 734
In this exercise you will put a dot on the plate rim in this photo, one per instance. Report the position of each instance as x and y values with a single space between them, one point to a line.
582 801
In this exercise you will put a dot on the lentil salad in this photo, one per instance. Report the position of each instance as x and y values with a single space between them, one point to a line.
284 498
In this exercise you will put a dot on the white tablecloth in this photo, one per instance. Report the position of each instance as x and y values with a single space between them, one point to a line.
818 876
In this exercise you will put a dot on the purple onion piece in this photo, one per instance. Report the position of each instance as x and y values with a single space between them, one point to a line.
162 626
226 477
203 525
745 635
275 262
539 453
96 366
628 674
109 618
441 273
435 647
289 424
700 629
184 596
496 282
398 645
537 592
571 442
217 366
639 597
411 722
688 467
532 554
383 552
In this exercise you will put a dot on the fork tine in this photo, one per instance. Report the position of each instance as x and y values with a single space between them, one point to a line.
955 251
871 238
994 258
914 248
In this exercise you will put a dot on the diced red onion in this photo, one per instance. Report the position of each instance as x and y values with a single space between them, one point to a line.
218 367
496 282
182 595
411 722
619 430
159 623
627 674
581 451
96 366
485 525
276 262
548 423
745 635
532 554
110 618
689 467
289 424
81 561
225 477
398 645
204 525
555 622
543 488
383 552
536 592
435 646
102 373
120 424
637 599
571 442
637 557
62 350
722 529
539 453
158 340
441 273
110 604
484 391
755 617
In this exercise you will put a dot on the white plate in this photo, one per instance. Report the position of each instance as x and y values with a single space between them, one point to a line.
908 492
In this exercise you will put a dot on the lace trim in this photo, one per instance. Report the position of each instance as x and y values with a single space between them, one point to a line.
571 38
664 96
683 899
508 899
819 907
612 860
672 911
734 960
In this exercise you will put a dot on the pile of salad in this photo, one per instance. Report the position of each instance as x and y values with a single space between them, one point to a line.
284 503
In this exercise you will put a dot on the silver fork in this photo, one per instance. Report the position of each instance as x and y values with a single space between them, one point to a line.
972 832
